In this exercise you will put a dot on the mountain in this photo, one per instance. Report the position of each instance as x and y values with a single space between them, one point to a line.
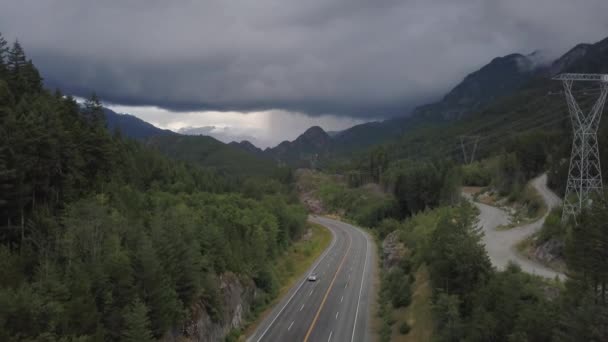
586 58
313 144
247 146
211 153
132 126
535 109
501 76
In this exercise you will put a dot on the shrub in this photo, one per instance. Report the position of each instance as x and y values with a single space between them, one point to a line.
404 328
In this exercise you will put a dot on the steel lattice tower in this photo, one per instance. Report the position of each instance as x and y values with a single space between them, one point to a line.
585 173
468 159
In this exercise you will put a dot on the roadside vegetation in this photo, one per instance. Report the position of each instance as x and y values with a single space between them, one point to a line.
289 268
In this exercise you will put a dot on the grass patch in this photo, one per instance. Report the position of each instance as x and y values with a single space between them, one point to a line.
291 266
418 315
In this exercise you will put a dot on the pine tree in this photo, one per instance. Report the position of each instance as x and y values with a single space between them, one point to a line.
16 58
158 292
93 110
3 56
136 323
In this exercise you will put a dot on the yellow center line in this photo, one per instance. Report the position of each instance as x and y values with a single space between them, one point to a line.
314 321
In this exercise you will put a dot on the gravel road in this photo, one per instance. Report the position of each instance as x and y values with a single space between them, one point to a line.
500 245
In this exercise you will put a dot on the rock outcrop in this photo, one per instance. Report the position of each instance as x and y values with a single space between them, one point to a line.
393 251
237 297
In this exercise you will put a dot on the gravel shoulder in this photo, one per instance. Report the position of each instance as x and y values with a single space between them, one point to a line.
501 244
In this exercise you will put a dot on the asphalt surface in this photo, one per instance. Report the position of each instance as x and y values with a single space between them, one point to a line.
336 306
501 244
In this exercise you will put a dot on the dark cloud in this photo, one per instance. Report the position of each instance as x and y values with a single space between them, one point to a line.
360 58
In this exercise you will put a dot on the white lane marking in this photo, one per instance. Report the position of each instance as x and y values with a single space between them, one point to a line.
311 291
337 313
290 326
330 333
352 338
302 307
341 299
326 253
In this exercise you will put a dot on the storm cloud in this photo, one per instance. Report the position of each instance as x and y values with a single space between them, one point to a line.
355 58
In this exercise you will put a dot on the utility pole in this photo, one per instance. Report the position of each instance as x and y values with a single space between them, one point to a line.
585 173
465 140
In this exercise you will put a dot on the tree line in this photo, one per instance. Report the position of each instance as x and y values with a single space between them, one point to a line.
103 239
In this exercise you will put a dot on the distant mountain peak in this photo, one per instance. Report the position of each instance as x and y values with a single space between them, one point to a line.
315 132
246 145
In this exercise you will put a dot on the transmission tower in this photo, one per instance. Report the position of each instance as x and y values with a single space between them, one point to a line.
585 174
469 156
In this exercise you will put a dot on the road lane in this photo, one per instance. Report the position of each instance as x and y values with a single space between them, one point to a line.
336 306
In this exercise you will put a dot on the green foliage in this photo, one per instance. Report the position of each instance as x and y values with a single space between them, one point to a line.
212 154
137 325
458 263
448 317
553 228
367 205
398 285
103 239
479 173
512 306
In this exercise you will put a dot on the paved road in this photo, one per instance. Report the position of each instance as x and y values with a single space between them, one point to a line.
501 245
334 308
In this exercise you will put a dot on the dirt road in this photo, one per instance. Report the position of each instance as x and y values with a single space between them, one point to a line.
500 245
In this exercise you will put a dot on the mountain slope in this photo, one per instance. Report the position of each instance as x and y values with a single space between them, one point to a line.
500 77
247 146
210 153
313 144
132 126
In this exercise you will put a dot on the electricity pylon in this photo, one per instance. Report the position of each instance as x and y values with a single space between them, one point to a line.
585 173
468 158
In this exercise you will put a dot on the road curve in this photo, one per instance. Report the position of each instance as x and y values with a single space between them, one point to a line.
501 244
335 307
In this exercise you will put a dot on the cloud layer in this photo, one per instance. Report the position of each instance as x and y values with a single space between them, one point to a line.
357 58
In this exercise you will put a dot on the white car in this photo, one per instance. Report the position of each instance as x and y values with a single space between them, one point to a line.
312 277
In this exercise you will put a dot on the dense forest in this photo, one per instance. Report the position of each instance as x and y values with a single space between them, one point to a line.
103 239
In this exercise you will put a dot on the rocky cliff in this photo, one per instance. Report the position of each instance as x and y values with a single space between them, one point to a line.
237 296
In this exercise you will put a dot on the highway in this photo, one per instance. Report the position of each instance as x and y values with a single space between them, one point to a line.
336 306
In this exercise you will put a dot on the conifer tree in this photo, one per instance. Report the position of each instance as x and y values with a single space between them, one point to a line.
158 292
136 322
3 56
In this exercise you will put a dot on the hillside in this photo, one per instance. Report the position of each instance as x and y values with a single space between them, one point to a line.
499 78
132 126
210 153
305 150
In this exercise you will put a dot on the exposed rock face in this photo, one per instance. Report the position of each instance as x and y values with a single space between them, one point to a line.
237 296
393 251
550 251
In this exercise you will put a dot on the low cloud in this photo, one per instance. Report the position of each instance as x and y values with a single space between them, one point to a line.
354 58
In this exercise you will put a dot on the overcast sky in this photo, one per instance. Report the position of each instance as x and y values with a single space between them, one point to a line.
267 63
